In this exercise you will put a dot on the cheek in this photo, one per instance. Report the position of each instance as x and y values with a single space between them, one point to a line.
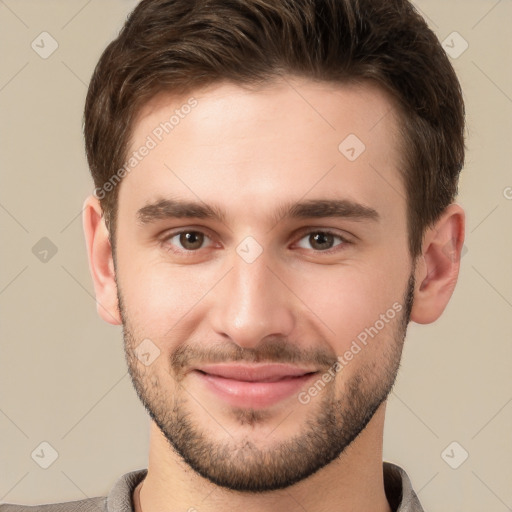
353 302
158 298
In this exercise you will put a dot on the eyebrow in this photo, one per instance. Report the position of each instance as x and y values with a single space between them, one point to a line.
313 208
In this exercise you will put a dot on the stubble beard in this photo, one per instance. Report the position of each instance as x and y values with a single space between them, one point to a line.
330 426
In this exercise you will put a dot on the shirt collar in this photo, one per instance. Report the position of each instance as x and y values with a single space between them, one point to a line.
399 491
398 487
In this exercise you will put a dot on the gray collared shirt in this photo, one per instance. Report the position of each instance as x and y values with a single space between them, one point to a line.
399 493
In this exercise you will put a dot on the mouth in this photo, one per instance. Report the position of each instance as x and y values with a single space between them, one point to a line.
254 386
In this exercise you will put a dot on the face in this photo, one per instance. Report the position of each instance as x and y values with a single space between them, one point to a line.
263 274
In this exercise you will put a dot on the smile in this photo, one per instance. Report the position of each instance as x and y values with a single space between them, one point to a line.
256 386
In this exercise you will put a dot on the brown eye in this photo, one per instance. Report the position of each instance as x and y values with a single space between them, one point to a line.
191 240
322 241
187 240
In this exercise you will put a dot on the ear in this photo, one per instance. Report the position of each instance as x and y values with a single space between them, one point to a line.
437 268
101 262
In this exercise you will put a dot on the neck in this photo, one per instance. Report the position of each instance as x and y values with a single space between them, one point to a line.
353 481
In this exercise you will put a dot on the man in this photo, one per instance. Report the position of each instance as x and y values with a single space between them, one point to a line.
273 205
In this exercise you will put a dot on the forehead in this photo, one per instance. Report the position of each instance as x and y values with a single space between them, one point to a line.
288 140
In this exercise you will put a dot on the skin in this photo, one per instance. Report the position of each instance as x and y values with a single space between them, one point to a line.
248 152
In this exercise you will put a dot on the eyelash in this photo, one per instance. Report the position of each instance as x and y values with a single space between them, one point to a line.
303 234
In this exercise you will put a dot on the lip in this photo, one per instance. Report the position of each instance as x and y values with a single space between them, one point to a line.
255 373
254 386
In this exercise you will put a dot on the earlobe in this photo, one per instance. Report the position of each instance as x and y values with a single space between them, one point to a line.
101 263
438 266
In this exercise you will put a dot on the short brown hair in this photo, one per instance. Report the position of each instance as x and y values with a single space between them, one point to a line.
180 45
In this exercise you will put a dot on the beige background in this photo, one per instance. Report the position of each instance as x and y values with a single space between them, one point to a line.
62 376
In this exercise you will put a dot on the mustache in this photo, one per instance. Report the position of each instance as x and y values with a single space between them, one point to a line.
270 350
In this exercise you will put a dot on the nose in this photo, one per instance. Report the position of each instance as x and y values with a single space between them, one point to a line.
252 302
